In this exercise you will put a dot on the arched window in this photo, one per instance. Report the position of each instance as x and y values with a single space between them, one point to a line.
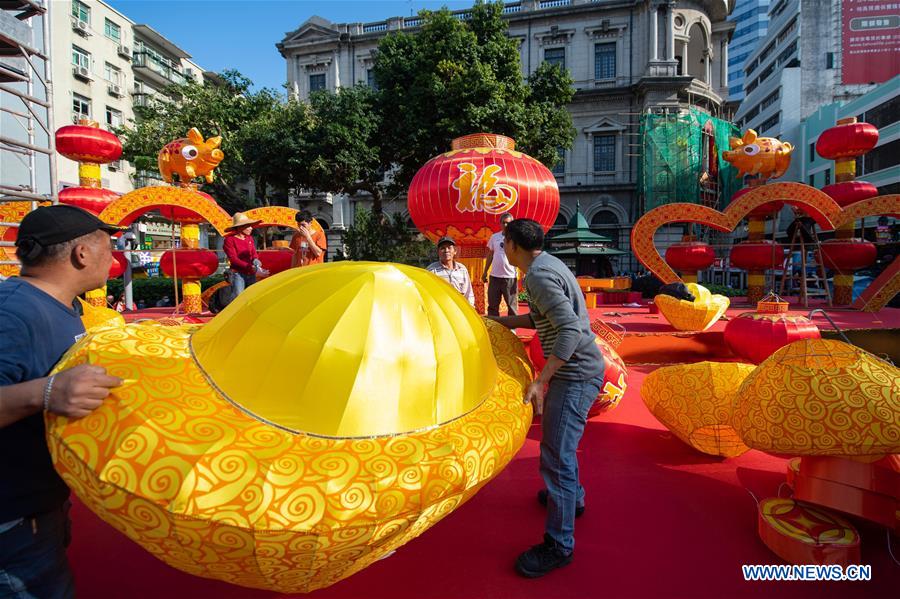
606 223
696 53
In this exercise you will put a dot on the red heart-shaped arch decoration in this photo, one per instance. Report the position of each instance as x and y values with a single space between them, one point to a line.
825 211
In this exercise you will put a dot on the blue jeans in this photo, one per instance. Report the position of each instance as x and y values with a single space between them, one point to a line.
239 282
566 406
33 561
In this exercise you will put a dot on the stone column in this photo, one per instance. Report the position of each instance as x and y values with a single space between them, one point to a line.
707 71
653 32
723 66
670 32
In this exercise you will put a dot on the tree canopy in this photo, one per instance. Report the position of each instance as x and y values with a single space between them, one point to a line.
456 77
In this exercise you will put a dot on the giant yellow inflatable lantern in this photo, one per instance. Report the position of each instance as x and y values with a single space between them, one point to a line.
329 415
819 397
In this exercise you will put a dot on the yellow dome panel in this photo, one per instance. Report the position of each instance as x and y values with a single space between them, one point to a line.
349 349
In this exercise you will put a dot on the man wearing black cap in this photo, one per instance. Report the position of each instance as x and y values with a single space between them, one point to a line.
64 252
452 271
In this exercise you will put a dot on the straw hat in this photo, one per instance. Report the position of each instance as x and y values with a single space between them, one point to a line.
241 221
326 417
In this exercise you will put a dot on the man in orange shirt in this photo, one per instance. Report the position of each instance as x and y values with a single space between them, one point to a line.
308 244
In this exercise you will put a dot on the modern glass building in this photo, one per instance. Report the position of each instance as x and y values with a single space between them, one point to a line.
751 20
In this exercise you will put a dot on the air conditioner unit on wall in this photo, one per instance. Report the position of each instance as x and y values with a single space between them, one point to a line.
125 52
81 26
82 72
116 90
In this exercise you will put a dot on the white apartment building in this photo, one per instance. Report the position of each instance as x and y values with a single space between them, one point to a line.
751 18
104 65
626 57
796 70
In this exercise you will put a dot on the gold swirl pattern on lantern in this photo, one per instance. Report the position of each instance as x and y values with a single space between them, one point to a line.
697 315
99 317
694 401
213 491
821 397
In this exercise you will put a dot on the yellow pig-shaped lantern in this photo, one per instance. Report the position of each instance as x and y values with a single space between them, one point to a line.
764 156
190 157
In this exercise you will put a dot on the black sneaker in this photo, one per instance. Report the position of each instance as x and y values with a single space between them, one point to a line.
541 559
542 499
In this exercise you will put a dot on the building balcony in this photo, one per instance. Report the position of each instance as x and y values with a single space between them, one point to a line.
598 178
157 71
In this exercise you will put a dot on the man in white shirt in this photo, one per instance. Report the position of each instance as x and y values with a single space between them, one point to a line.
503 274
452 271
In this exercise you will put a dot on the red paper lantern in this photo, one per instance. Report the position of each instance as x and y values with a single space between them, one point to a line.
754 336
690 256
190 264
615 374
757 255
848 255
275 261
847 141
118 266
84 143
462 193
849 192
92 199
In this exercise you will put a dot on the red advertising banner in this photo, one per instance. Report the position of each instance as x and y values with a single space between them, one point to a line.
871 41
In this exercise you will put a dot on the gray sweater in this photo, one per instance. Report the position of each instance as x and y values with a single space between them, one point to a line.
561 318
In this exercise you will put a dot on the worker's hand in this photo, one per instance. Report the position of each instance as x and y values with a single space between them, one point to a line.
306 232
80 390
484 278
534 394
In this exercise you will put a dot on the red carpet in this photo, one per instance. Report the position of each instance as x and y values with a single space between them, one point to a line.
662 521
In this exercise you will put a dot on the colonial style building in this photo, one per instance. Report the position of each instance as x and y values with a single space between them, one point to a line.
628 58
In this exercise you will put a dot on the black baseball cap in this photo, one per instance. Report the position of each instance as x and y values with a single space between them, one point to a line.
445 239
49 225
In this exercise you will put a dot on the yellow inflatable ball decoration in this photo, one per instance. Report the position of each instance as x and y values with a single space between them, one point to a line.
329 415
821 397
98 317
694 401
697 315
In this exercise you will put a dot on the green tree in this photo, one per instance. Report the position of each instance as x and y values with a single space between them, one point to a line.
341 151
384 238
215 109
457 77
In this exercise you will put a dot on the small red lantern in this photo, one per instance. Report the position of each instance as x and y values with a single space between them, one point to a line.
689 256
757 255
847 255
615 374
847 140
92 199
275 260
849 192
754 336
189 263
118 266
88 143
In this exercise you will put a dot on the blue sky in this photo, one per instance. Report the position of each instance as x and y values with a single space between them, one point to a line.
241 34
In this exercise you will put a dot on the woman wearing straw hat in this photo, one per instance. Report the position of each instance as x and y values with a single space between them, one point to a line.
241 251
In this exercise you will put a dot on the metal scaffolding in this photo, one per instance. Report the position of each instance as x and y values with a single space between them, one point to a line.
26 103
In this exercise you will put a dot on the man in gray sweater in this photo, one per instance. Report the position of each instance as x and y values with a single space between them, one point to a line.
572 378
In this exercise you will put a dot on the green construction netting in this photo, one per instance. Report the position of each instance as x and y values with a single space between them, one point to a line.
681 160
